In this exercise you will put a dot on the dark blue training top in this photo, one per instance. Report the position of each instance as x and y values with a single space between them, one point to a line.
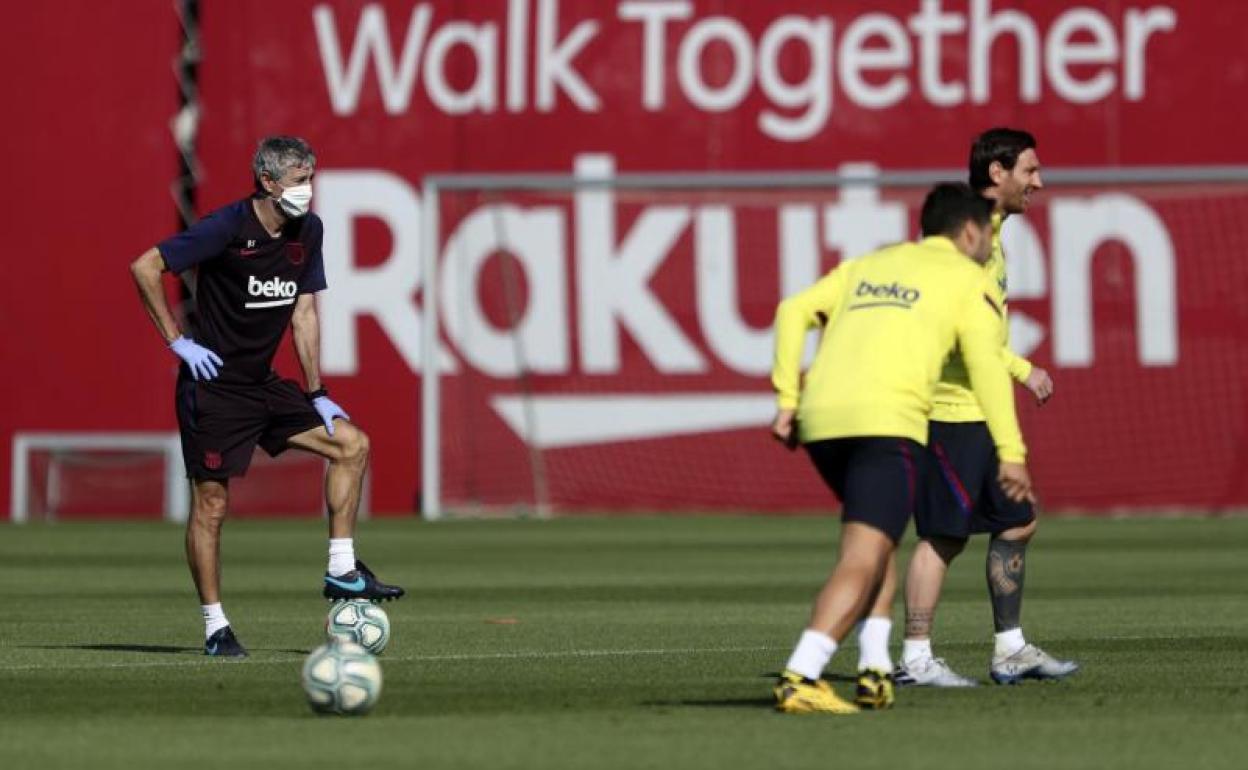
246 283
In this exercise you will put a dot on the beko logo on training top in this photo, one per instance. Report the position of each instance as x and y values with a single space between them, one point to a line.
283 291
891 294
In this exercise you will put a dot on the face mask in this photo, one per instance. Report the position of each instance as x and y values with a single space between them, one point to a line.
296 201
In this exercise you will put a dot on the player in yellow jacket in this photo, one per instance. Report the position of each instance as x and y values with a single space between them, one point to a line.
962 497
890 320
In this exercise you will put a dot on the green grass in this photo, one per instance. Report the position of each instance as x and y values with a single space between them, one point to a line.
639 643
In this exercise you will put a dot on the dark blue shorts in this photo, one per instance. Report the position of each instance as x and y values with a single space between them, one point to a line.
876 478
222 423
962 496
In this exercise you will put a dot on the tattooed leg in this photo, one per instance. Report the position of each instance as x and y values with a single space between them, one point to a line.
919 623
1006 567
924 580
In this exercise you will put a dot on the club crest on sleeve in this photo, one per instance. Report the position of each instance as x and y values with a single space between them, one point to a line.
212 459
294 253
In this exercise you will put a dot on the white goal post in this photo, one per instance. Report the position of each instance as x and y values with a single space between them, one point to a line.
494 187
176 496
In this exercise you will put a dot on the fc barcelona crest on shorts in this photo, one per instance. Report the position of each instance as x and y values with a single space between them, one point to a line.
212 460
294 252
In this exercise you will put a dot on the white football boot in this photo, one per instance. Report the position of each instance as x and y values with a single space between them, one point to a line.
929 672
1030 662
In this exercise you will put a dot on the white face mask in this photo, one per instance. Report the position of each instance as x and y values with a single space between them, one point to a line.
296 201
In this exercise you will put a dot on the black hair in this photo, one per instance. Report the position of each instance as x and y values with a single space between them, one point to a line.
949 206
999 145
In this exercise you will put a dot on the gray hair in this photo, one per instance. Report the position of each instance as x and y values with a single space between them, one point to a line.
278 154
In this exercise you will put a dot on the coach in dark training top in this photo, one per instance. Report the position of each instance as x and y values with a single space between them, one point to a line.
254 267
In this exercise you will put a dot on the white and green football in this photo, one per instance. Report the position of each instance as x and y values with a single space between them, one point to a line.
359 621
341 678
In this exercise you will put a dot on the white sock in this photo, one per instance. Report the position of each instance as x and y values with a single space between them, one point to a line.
1010 642
341 555
812 653
914 650
873 644
214 618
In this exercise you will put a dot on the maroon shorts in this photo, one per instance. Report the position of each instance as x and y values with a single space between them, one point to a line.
221 423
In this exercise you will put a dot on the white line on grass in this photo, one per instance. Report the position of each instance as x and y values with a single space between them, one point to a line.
523 655
530 655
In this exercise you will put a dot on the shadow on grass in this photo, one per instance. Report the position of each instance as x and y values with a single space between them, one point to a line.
716 703
827 675
148 648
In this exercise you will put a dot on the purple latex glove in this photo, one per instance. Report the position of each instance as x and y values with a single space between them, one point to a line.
200 360
329 411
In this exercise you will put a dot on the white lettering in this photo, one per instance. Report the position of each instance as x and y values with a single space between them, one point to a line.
385 291
743 348
856 57
372 40
1060 52
482 95
517 53
813 93
986 27
537 340
689 66
554 60
613 290
859 222
654 17
1079 227
929 25
1140 26
274 287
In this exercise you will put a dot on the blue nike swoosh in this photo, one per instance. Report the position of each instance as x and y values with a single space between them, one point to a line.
355 585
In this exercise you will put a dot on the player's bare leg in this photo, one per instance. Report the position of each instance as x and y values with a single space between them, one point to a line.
209 504
347 451
877 626
925 578
854 582
1014 659
874 685
846 596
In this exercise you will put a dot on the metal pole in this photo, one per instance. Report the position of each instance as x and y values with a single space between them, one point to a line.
430 406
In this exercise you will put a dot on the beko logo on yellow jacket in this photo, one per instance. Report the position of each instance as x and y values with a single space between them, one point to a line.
887 294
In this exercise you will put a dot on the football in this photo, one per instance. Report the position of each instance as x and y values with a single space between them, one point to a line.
341 678
359 621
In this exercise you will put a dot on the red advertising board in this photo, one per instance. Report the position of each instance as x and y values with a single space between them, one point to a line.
1127 293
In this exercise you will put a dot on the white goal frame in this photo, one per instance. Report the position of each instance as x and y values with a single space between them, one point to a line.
431 503
177 491
176 503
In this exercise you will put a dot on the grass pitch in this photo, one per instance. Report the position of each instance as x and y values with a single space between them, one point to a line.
622 643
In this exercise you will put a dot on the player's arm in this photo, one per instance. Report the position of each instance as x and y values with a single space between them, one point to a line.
796 316
1018 367
203 363
147 271
204 240
1030 376
305 333
981 351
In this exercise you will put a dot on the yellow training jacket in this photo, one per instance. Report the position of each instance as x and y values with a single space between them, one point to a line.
953 400
890 320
